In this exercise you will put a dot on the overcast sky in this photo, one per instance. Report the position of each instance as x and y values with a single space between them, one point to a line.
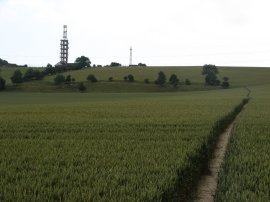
161 32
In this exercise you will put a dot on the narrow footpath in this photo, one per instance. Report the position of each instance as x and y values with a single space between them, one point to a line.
207 185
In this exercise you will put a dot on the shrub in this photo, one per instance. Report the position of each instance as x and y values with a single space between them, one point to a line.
146 81
17 77
59 79
81 87
130 78
125 78
110 79
161 80
2 84
174 81
187 82
68 79
91 78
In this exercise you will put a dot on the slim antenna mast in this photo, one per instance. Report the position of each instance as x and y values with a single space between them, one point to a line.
130 57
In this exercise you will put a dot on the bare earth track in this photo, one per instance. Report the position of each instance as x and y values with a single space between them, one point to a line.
208 183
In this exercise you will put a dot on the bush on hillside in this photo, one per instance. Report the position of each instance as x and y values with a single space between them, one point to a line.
59 79
91 78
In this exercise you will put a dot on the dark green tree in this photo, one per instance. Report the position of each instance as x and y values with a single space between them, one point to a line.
125 78
49 65
210 72
130 78
3 62
68 79
2 83
81 87
17 77
110 79
174 81
115 64
225 83
146 81
59 79
83 62
187 82
29 74
91 78
161 80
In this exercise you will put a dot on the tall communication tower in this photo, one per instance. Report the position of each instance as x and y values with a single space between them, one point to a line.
130 56
64 47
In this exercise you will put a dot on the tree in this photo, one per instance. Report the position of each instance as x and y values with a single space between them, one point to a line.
115 64
210 72
146 81
142 65
59 79
3 62
68 79
37 75
17 77
81 87
50 70
161 80
225 83
110 79
130 78
91 78
83 62
125 78
2 83
49 65
29 74
174 81
187 82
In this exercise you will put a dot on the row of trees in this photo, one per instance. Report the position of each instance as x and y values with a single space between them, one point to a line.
30 74
210 72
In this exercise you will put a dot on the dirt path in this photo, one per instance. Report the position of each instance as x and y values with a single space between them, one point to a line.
208 183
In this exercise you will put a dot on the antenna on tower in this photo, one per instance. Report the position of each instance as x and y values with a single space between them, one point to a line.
130 56
64 47
65 32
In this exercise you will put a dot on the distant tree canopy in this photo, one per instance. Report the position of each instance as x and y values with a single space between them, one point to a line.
83 62
174 81
2 84
91 78
161 80
210 72
130 78
115 64
225 83
81 87
59 79
49 65
3 62
17 77
142 65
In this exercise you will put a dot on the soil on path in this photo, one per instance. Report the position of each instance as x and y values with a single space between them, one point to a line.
207 185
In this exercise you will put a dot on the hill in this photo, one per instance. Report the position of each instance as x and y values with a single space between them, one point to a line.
239 76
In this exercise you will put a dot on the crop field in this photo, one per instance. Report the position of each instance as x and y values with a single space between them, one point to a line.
246 170
101 147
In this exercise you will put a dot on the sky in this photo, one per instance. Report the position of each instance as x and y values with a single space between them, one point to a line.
161 33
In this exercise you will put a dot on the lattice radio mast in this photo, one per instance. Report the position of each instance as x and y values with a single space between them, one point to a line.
130 56
64 47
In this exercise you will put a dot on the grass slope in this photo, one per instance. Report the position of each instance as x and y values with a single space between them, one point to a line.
238 77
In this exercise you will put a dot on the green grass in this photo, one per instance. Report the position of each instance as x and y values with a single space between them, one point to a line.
7 72
245 174
104 146
238 77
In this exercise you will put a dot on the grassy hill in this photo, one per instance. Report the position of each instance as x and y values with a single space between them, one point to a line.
239 76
